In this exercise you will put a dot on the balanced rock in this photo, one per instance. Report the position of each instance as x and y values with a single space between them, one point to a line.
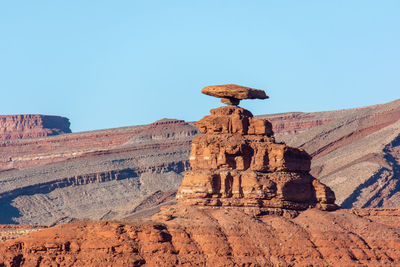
231 94
236 162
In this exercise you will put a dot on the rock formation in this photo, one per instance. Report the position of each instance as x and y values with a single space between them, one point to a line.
12 231
91 175
217 237
236 162
32 126
356 152
231 94
54 179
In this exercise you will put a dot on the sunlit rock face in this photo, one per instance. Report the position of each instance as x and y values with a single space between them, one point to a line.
32 126
236 162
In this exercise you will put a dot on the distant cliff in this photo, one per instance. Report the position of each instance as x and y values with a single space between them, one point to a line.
32 126
90 174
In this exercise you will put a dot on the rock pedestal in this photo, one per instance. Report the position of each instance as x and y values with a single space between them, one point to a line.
236 162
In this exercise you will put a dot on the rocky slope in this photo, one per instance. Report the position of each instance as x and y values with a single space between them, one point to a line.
12 231
60 178
217 237
87 175
32 126
356 154
247 201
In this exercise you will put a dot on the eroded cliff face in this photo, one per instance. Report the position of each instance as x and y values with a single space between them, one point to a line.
356 153
246 201
212 236
92 174
32 126
236 162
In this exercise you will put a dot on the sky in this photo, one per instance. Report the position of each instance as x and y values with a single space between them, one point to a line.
106 64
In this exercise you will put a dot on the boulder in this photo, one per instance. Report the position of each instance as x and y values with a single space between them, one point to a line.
231 94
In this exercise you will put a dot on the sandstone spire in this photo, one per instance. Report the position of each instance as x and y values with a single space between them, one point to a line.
236 162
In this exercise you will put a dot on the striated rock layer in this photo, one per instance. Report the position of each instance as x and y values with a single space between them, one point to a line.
90 175
236 162
210 236
356 152
32 126
53 179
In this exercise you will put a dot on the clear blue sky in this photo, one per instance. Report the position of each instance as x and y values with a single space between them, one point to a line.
107 64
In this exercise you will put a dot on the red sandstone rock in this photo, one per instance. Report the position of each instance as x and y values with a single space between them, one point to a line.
354 151
195 236
232 120
273 180
32 126
230 101
340 172
237 163
234 91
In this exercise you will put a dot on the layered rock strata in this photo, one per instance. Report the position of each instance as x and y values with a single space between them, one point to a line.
43 180
89 175
236 162
217 237
356 152
32 126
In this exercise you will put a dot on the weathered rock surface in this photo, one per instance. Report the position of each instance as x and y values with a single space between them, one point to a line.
34 188
216 237
230 101
32 126
236 162
237 205
231 94
87 175
12 231
355 152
